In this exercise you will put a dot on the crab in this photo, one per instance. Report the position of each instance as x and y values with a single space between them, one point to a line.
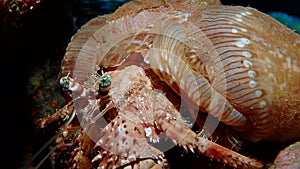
144 117
220 59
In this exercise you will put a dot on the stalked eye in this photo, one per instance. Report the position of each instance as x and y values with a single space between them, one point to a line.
104 82
64 82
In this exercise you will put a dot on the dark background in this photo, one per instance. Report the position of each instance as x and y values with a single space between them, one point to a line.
44 33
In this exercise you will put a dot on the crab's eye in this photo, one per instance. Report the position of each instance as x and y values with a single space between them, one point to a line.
64 82
104 81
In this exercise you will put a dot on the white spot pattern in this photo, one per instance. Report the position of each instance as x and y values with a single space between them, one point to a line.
234 30
251 73
252 83
247 63
258 93
148 131
247 54
263 104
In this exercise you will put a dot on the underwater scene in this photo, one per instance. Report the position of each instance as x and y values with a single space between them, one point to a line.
150 84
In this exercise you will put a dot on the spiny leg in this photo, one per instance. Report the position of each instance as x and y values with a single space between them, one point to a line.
65 131
145 109
169 121
68 112
186 138
63 113
124 142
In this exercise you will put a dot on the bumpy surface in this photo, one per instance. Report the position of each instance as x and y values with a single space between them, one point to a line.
235 63
288 158
250 66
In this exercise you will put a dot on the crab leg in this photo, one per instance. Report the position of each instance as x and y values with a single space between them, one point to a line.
64 112
169 121
186 138
144 114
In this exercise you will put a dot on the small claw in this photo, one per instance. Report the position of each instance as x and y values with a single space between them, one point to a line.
174 141
191 148
185 148
97 158
153 140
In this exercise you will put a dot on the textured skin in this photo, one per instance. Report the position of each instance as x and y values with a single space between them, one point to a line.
288 158
233 62
273 69
254 65
144 116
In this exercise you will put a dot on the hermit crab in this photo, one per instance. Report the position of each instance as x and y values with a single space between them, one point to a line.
126 75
